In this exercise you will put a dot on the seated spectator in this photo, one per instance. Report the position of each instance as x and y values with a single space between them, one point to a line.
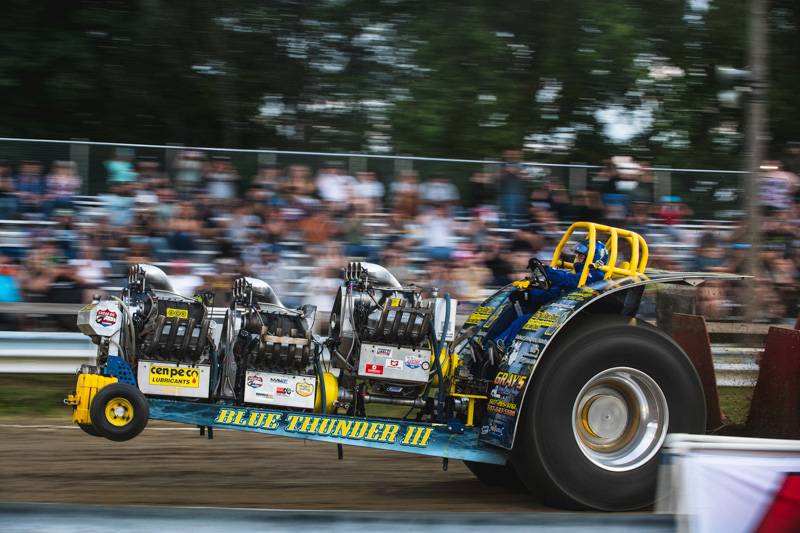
90 268
368 192
405 194
710 255
29 185
9 281
183 280
437 233
335 186
266 184
184 228
439 191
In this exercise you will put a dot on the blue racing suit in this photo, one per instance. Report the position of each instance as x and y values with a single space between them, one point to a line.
560 282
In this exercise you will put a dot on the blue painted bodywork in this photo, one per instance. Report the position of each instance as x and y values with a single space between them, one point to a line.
118 368
511 384
437 440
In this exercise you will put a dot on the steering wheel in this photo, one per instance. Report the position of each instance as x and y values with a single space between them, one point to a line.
538 274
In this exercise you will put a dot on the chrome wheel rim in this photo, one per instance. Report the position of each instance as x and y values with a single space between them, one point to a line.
620 419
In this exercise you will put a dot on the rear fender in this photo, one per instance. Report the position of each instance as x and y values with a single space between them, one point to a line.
511 383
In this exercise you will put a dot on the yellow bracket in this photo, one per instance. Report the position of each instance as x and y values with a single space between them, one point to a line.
85 389
634 265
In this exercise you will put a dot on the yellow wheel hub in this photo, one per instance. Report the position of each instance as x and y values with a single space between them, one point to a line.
119 411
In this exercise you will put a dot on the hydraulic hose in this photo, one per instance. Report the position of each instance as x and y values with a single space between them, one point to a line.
438 354
320 376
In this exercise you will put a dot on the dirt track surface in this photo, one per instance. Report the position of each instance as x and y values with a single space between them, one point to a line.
236 469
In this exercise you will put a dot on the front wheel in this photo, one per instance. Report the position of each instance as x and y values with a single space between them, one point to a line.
119 411
598 411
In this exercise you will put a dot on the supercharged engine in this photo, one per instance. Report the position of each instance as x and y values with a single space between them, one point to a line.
166 339
384 337
271 354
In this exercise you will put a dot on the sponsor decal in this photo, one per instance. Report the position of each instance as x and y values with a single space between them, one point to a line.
541 319
304 389
414 362
383 352
374 369
394 363
106 317
341 428
511 381
279 380
481 313
283 391
502 407
254 381
177 313
172 376
580 295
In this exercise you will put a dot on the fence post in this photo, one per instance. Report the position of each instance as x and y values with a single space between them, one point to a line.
663 184
79 153
577 179
169 156
266 158
357 164
402 165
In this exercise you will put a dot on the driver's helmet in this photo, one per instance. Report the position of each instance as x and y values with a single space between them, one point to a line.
600 252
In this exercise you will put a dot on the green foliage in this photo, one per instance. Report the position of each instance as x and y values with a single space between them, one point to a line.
467 78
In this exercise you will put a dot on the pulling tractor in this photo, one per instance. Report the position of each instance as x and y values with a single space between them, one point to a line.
576 408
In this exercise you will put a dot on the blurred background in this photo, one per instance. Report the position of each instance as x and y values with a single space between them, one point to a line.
448 141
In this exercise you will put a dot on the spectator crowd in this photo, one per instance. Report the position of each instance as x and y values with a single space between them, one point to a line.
297 226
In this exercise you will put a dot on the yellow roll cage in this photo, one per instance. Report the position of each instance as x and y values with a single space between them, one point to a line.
634 265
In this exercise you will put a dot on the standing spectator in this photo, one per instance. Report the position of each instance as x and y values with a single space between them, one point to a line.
62 184
8 197
188 167
150 174
29 185
777 187
120 167
512 189
222 179
482 190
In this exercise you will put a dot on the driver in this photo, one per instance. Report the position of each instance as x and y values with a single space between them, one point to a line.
558 281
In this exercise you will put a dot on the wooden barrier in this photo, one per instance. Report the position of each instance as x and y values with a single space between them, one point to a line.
775 409
690 332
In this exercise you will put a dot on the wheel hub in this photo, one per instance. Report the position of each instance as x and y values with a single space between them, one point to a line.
620 419
119 411
606 416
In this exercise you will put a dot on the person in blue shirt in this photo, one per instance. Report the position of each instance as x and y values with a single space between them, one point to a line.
556 282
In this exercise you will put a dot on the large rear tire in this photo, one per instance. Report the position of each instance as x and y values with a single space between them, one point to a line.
598 410
119 411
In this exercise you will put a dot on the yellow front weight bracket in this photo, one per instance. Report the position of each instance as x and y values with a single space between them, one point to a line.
85 389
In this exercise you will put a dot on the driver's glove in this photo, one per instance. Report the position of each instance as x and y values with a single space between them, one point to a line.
522 283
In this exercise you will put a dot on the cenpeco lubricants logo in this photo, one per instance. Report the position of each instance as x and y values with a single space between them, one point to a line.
171 376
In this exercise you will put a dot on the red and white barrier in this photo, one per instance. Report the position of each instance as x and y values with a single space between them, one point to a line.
730 484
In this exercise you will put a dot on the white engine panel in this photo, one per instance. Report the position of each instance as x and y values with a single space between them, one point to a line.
280 389
171 379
